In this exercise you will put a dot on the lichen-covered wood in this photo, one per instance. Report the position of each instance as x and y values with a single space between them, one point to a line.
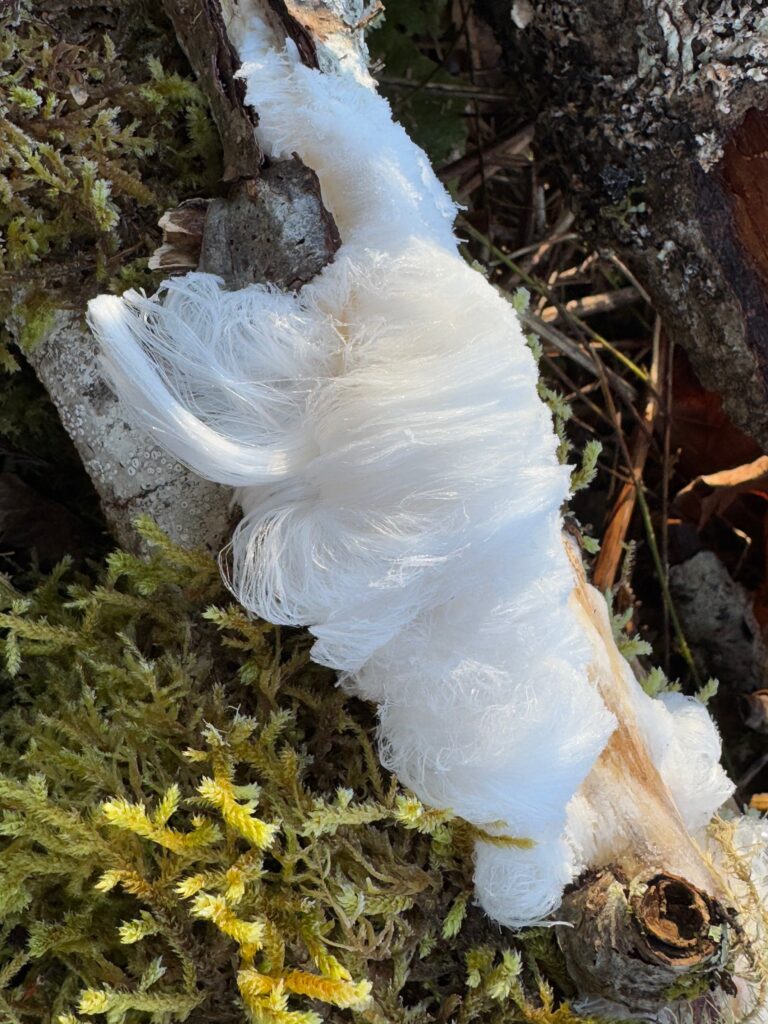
648 113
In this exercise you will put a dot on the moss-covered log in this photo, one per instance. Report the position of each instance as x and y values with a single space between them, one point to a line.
268 225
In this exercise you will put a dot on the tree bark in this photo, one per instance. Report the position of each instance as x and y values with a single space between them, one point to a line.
652 114
644 944
132 475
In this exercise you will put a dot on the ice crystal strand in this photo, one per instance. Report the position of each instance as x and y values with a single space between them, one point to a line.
399 480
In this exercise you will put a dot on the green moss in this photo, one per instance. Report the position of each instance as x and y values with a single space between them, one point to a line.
101 129
195 826
691 987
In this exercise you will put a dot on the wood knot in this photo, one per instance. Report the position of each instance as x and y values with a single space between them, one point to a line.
676 919
641 944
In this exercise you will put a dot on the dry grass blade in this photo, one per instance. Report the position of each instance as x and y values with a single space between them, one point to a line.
612 547
593 305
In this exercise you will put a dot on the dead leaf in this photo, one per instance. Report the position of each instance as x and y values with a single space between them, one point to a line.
756 710
79 94
713 493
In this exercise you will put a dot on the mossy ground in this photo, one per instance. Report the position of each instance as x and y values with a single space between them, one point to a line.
195 826
101 129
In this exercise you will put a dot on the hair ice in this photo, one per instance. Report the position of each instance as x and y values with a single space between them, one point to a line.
401 492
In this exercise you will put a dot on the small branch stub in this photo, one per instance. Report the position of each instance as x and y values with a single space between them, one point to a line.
641 946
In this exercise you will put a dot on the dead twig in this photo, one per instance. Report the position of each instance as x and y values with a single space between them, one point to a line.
666 472
459 92
511 146
536 285
569 348
593 305
645 512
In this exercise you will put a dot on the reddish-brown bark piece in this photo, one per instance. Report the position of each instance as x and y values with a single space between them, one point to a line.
744 172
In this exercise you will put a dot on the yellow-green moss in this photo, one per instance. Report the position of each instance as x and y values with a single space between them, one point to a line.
195 826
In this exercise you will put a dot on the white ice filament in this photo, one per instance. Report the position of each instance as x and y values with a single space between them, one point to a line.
400 486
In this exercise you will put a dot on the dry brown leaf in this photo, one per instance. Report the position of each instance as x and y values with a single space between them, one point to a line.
702 435
755 712
711 495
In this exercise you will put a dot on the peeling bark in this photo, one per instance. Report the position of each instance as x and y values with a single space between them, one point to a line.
327 32
201 31
649 113
271 228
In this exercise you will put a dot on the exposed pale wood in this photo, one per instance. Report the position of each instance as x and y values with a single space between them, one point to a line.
641 925
624 785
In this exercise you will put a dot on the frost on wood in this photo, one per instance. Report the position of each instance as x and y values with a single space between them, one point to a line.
328 34
274 228
649 113
401 492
